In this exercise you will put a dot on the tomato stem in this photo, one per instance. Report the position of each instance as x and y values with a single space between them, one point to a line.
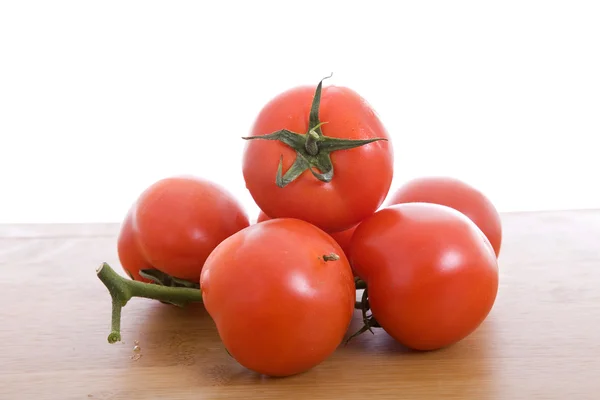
369 320
330 257
311 145
115 322
122 290
313 148
312 140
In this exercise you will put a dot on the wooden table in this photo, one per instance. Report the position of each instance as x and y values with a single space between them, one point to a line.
541 341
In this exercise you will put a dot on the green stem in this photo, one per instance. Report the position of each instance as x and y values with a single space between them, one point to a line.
313 117
311 146
122 290
115 322
312 139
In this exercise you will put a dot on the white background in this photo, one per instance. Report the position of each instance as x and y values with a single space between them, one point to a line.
100 99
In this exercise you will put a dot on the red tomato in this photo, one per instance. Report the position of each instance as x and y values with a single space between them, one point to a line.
431 276
279 306
456 194
342 238
349 180
175 224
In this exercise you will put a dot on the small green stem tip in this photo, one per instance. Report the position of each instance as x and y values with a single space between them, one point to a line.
330 257
122 290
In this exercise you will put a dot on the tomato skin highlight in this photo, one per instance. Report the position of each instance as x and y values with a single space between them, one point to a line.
175 224
362 175
456 194
431 276
279 307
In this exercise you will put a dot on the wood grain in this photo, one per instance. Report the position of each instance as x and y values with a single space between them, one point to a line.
541 341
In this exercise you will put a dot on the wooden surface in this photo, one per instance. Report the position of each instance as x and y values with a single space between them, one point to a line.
541 341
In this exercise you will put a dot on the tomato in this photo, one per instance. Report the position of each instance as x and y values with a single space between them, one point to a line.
431 276
280 299
342 238
456 194
174 225
333 175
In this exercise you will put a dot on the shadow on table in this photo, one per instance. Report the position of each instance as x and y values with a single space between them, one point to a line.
185 340
373 365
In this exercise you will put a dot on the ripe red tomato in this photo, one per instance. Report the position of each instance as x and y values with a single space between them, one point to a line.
175 224
456 194
431 276
342 238
304 170
281 303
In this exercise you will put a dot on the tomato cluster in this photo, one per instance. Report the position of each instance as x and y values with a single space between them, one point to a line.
282 291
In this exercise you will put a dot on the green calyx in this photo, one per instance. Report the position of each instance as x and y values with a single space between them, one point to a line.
313 149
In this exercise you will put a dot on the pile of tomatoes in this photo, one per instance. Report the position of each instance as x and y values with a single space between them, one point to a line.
331 240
